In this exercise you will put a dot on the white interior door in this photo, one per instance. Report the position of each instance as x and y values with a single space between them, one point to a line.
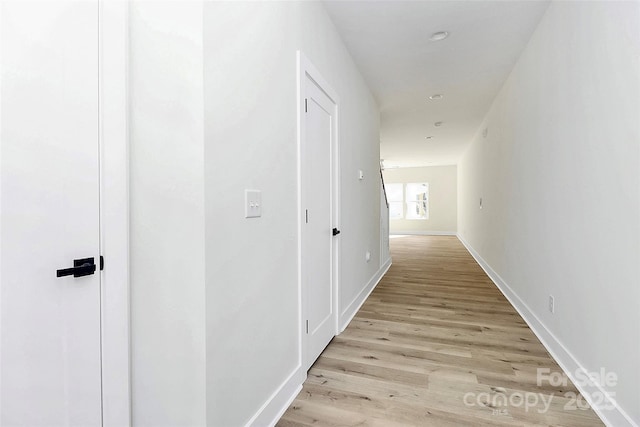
49 214
318 242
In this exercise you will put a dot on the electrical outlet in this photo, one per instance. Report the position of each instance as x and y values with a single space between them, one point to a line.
552 306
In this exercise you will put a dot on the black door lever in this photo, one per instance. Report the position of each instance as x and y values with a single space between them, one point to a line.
336 231
81 267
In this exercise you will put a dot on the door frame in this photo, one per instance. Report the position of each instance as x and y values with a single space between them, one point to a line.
306 69
113 145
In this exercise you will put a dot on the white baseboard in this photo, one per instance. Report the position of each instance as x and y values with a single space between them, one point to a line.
273 409
423 233
384 266
611 417
351 310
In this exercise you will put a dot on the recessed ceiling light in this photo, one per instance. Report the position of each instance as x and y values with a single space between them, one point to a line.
436 96
437 124
440 35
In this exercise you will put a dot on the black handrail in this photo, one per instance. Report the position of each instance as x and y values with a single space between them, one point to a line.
384 190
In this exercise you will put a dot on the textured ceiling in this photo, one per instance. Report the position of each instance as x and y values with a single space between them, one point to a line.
389 41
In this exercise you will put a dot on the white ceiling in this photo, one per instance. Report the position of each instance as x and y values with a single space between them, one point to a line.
389 41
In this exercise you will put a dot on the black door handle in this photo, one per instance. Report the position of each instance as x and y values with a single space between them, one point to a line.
336 231
81 267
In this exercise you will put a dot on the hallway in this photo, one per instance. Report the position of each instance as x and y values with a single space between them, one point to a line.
437 344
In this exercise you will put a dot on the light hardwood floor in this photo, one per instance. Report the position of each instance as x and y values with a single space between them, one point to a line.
436 344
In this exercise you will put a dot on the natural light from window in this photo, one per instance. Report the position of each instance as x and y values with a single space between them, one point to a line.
408 200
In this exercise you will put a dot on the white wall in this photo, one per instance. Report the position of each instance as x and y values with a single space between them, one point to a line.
559 174
443 202
253 300
167 214
385 250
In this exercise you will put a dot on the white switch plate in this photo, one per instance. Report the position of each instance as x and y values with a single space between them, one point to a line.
360 174
252 203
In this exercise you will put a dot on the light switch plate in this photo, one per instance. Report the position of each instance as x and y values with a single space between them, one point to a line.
252 203
360 174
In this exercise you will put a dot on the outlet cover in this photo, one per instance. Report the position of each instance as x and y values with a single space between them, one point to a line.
252 203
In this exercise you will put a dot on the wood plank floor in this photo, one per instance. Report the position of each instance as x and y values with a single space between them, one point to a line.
436 344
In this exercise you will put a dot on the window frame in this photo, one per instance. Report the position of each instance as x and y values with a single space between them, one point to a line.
406 205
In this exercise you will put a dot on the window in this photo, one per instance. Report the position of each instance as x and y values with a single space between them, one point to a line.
408 201
416 196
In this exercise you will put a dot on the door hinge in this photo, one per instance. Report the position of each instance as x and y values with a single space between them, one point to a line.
101 263
306 216
307 326
305 105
